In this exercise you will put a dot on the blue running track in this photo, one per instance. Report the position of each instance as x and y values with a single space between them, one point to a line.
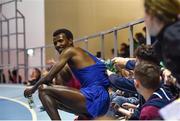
13 105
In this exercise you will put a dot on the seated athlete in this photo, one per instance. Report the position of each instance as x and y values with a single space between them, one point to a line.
92 100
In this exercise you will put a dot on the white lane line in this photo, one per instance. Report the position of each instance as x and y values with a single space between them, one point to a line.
33 113
13 86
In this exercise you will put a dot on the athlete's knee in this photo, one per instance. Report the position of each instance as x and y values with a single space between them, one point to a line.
42 90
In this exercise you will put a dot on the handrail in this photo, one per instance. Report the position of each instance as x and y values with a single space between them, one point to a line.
85 39
111 30
7 2
98 34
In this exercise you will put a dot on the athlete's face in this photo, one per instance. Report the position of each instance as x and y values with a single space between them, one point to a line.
61 42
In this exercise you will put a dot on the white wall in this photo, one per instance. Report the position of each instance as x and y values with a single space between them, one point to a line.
33 10
34 13
35 26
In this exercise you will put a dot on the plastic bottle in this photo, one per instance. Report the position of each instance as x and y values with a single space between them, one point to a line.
110 65
31 102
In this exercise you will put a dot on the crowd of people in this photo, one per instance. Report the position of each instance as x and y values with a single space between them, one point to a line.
13 77
145 87
140 88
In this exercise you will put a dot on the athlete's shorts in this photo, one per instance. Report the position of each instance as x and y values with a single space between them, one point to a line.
97 100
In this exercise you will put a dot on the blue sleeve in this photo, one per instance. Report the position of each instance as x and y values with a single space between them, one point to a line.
130 64
122 83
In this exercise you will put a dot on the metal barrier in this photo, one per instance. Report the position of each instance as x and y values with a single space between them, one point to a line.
101 36
86 39
9 35
114 30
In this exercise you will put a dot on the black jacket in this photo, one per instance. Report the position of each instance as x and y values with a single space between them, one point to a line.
167 47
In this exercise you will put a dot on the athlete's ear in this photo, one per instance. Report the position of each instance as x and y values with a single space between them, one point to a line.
70 41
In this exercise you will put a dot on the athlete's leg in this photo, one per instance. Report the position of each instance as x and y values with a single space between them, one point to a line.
65 98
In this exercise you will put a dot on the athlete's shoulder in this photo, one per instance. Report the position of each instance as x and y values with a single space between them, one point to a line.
72 51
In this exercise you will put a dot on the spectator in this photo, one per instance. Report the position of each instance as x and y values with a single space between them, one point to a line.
2 77
162 22
98 54
140 38
14 78
35 76
147 83
161 19
142 53
124 50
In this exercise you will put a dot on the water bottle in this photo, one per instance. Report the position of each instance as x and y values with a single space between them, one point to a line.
110 65
31 102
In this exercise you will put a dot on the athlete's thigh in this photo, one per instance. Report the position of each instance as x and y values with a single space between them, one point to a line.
69 97
68 109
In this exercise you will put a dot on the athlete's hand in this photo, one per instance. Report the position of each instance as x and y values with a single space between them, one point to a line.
29 91
119 62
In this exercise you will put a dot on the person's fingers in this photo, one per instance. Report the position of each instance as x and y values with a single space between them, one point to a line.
119 92
129 105
131 110
116 59
112 104
109 72
26 93
124 111
116 106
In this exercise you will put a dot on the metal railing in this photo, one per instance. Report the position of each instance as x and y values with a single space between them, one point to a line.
113 30
3 37
100 35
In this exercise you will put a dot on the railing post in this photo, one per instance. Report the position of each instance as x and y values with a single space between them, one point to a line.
102 46
8 42
86 44
17 42
1 38
27 64
131 41
41 49
115 44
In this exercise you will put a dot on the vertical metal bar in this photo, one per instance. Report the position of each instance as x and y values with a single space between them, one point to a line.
1 43
17 51
86 44
102 47
24 47
41 58
115 44
27 64
148 38
131 41
8 40
1 33
25 52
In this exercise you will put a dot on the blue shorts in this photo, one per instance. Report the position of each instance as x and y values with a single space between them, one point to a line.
97 100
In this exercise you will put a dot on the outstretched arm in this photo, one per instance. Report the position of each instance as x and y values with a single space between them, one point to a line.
66 55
